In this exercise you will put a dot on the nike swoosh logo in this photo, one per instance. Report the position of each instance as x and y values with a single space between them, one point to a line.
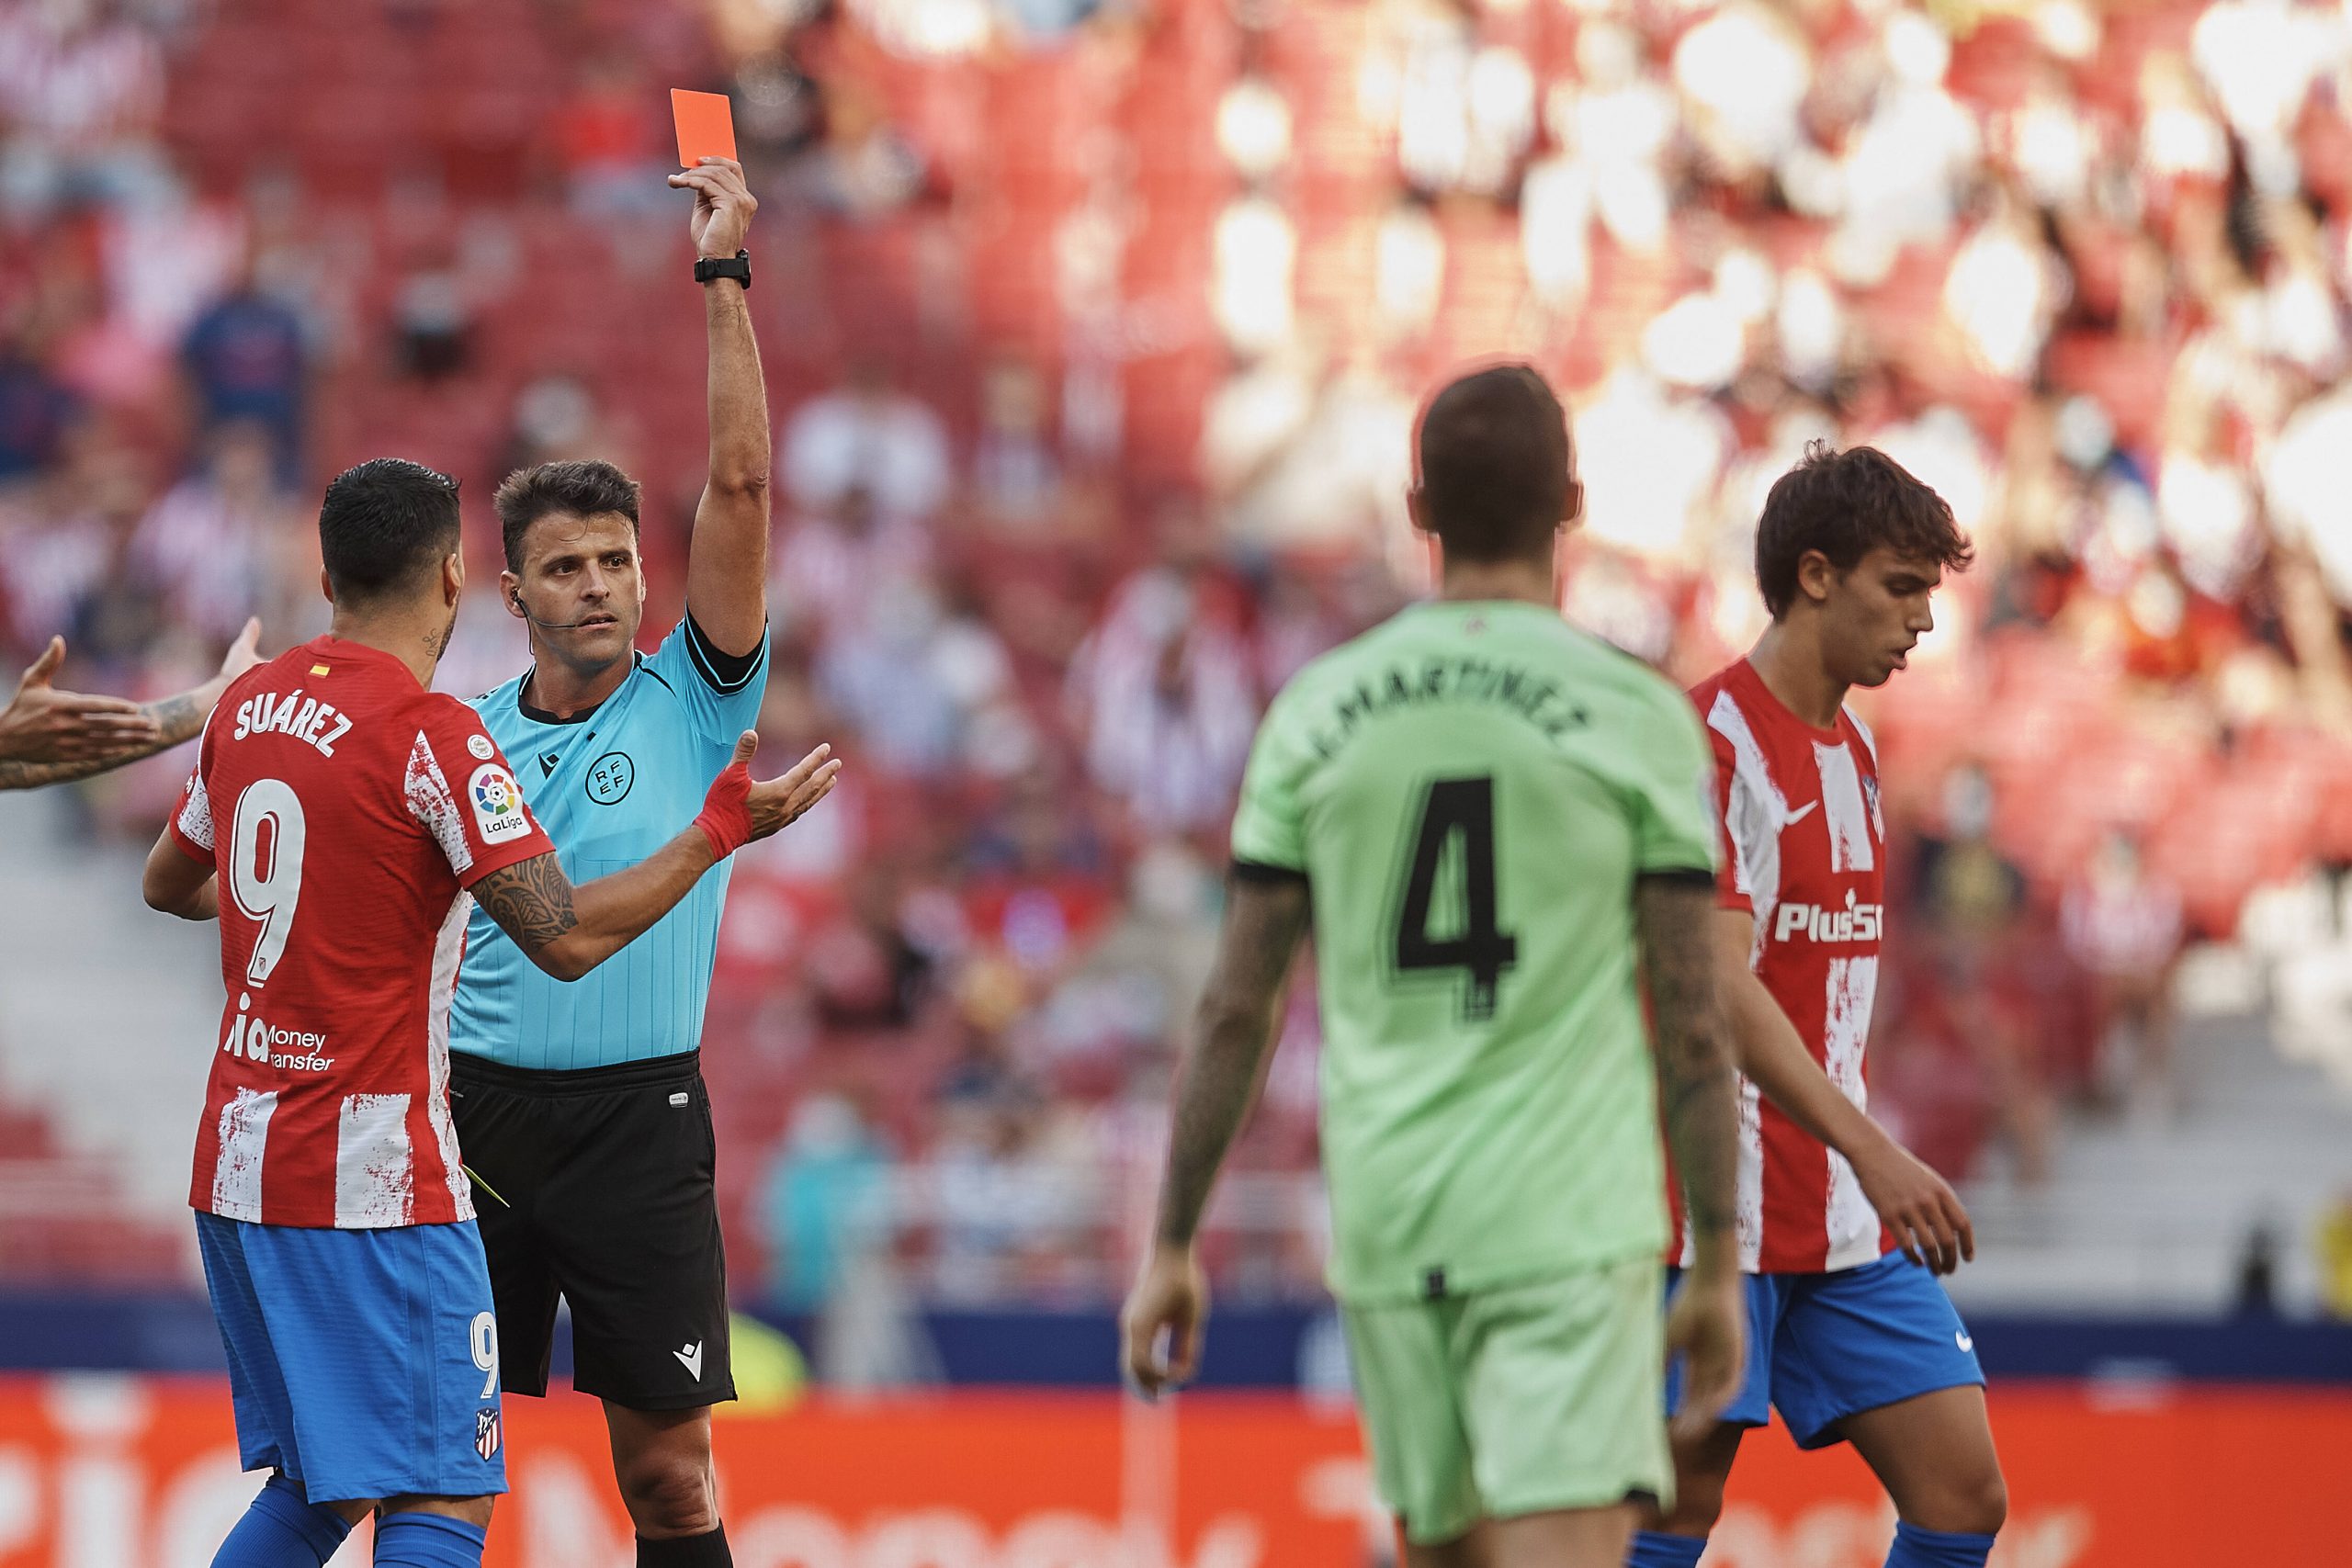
1963 1341
690 1358
1793 817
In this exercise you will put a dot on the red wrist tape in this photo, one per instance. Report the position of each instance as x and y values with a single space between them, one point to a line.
726 818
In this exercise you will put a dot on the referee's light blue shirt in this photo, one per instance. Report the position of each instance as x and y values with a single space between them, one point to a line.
611 788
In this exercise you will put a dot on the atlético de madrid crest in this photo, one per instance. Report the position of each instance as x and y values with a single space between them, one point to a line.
486 1434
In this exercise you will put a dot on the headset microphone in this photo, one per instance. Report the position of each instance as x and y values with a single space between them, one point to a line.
546 626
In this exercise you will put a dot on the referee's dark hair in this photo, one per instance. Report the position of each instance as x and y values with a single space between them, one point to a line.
1844 505
1495 469
583 488
384 525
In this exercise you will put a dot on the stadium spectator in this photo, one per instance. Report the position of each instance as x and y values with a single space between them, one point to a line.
210 549
35 409
80 87
2123 925
1016 477
247 357
607 134
867 435
433 324
828 1202
861 168
917 679
559 418
836 563
1165 694
1973 924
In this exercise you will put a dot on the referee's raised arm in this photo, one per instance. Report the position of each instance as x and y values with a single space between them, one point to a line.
726 564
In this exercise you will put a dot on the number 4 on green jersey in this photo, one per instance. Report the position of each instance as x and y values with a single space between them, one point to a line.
1456 813
1470 791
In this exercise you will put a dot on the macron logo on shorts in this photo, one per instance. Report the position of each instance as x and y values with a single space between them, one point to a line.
690 1358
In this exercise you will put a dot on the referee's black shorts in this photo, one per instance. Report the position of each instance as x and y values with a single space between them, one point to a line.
597 1185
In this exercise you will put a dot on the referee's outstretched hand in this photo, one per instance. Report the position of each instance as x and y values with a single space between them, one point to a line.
775 804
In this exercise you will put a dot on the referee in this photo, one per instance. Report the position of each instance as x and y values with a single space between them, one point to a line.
580 1107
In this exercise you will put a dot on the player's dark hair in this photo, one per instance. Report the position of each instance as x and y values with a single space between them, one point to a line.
1494 465
383 525
587 488
1846 505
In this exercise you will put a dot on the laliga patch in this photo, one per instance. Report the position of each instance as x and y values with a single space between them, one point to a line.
498 804
486 1434
480 746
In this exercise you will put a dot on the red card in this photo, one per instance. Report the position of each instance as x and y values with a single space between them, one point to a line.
706 126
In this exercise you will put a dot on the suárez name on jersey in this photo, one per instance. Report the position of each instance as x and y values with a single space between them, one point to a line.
294 715
1818 922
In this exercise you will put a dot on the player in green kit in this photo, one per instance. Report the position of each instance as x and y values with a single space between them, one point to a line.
1496 825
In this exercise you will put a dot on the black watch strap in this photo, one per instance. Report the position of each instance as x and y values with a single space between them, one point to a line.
709 269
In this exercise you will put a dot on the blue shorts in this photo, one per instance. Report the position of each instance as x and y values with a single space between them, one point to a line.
363 1364
1824 1347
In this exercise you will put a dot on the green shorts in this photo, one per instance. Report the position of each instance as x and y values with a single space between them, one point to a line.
1520 1400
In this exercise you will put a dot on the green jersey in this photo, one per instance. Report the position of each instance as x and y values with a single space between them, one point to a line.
1470 790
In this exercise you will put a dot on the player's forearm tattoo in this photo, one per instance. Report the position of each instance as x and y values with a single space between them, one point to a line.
1694 1053
531 901
181 717
178 719
1230 1035
32 776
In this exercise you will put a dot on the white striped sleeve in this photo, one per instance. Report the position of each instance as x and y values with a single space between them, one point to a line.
431 802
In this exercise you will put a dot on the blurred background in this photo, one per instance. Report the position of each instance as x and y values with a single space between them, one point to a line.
1094 332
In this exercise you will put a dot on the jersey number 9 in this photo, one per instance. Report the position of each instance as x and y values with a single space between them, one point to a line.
266 868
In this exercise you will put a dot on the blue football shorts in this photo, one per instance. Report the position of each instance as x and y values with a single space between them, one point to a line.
1824 1347
363 1363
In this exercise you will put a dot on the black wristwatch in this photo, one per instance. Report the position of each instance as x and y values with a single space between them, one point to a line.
738 266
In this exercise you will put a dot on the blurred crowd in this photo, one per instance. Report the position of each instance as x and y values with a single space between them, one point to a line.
1096 329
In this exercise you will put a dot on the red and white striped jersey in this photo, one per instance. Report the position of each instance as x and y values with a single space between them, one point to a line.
1805 853
344 809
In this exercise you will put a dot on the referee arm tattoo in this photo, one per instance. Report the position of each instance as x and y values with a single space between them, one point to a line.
531 901
1264 918
1694 1052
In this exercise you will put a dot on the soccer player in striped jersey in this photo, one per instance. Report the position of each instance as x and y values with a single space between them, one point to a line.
341 820
1501 822
1841 1232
